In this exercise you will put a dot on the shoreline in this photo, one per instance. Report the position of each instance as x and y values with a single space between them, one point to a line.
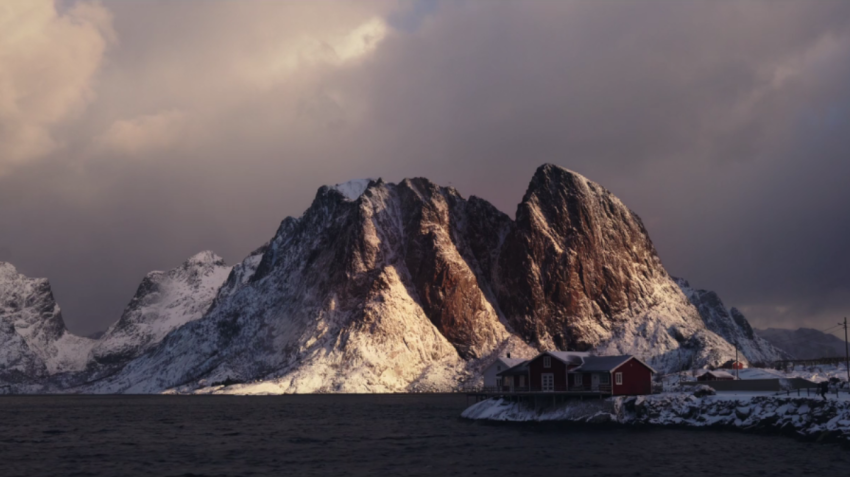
805 418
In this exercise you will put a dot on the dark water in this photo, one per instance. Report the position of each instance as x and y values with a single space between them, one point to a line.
362 435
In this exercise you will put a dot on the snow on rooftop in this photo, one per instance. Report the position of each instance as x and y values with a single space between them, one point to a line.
353 189
717 373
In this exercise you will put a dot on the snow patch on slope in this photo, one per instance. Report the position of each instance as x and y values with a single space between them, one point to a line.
353 189
164 302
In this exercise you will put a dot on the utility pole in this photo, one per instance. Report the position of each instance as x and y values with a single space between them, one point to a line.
846 350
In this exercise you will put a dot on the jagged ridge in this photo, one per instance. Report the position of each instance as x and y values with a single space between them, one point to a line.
382 287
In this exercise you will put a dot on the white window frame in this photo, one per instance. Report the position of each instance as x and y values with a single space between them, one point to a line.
578 380
618 379
551 379
547 362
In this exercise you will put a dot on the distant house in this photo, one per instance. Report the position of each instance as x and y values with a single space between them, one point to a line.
715 375
491 380
565 372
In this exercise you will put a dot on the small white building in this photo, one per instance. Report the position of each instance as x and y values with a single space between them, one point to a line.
502 363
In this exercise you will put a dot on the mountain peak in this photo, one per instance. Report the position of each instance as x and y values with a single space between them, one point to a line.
204 258
353 189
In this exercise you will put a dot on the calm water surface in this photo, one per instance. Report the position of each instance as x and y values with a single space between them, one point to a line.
364 436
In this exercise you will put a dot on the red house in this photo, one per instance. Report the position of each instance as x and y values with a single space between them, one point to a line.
565 372
548 371
617 375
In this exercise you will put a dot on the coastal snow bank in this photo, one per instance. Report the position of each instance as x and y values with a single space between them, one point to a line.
807 417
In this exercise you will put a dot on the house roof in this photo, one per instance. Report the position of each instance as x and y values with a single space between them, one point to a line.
716 373
510 362
567 357
521 368
607 363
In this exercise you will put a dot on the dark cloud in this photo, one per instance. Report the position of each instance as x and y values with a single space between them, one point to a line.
720 123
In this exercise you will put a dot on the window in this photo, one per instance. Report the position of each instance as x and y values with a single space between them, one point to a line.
605 379
547 362
522 381
508 380
547 382
498 368
577 380
618 378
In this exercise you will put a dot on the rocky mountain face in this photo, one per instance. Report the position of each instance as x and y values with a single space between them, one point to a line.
38 354
804 343
163 302
731 324
34 342
410 286
579 271
382 287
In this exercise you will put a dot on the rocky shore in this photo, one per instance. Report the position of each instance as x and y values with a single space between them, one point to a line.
809 418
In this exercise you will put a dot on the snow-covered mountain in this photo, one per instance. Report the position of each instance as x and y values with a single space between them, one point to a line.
731 324
34 342
410 286
382 287
163 302
804 343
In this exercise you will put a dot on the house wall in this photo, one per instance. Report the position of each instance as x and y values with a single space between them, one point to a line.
585 381
490 373
637 379
559 369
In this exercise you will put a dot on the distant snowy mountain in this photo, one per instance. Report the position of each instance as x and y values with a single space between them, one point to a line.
731 325
163 302
804 343
382 287
33 339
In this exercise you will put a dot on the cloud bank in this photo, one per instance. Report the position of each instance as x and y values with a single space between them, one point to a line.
133 134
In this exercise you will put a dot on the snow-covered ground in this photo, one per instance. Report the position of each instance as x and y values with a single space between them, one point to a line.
806 416
815 374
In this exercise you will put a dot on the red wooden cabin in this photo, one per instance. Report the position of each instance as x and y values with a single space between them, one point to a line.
564 372
617 375
548 371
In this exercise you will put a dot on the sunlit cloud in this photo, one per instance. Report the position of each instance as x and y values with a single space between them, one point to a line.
48 62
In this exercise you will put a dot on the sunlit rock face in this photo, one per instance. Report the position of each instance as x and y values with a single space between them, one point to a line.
382 287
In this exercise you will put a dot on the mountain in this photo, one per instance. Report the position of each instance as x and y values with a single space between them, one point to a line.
804 343
408 287
163 302
731 324
34 342
382 287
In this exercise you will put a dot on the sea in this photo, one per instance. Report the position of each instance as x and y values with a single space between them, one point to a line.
365 435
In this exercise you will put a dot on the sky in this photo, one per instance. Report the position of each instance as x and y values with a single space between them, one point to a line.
134 134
